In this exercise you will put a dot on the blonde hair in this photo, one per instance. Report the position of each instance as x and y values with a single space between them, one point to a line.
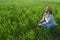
49 9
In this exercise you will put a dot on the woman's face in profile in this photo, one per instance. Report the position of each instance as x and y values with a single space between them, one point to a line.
46 11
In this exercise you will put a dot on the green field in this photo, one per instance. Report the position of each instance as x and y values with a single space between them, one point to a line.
19 19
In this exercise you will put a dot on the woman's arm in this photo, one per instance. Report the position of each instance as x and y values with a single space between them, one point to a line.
48 21
44 23
41 21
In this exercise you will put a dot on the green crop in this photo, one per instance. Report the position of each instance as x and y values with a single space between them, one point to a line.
19 21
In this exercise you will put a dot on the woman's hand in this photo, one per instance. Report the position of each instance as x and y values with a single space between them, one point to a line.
48 21
39 24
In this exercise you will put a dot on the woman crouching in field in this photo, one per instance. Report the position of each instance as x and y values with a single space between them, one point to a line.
48 19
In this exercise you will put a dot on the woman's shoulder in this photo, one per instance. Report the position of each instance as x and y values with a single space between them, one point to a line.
50 14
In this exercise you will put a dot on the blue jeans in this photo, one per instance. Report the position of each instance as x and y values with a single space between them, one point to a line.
48 26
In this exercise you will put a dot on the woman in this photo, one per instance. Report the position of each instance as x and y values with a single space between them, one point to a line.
48 19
